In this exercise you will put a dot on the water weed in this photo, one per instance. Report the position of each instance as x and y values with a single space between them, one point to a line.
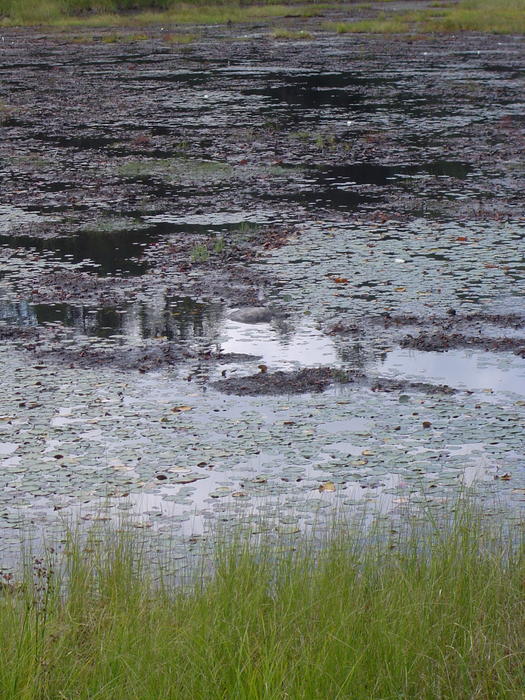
293 35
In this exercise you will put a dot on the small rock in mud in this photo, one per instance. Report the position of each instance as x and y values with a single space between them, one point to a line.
252 314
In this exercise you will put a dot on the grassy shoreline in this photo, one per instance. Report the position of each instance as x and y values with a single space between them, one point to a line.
69 13
376 16
485 16
429 612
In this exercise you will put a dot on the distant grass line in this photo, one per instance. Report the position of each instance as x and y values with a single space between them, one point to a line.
487 16
432 613
128 12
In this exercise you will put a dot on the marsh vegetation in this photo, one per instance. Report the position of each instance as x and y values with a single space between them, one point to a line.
422 611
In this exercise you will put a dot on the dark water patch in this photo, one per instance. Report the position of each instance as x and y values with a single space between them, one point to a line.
515 71
383 175
106 252
54 186
338 186
331 197
315 90
132 150
82 141
14 122
187 78
161 187
116 246
167 318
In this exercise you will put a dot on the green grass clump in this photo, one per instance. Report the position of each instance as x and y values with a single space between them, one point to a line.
435 613
186 171
489 16
5 112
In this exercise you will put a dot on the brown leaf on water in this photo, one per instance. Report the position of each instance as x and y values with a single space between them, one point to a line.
327 486
504 477
180 409
400 289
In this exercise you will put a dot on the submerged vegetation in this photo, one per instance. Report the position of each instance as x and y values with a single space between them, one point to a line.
429 613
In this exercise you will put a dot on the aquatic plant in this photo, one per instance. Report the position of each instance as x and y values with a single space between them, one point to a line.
289 34
200 253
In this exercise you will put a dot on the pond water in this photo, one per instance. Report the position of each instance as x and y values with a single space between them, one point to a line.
340 188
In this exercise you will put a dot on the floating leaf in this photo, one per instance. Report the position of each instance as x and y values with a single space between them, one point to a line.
327 486
180 409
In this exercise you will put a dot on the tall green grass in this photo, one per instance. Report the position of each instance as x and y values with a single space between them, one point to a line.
126 12
489 16
432 613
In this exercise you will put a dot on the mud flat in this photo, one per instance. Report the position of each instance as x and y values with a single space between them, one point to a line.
237 270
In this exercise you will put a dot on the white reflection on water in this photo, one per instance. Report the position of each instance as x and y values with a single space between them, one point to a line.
307 347
458 368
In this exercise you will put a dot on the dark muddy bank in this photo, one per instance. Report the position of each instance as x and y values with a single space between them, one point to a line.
318 379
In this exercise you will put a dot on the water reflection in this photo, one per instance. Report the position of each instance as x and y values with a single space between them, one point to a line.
473 371
168 317
314 90
113 252
341 186
280 347
116 246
